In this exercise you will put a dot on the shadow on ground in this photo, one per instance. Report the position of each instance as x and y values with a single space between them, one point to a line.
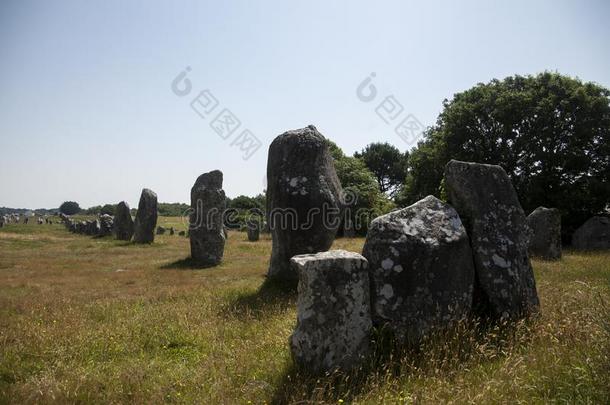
185 264
271 298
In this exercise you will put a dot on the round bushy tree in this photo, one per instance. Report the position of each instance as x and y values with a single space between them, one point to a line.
549 132
69 208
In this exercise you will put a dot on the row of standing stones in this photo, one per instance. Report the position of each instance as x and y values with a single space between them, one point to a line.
422 268
122 225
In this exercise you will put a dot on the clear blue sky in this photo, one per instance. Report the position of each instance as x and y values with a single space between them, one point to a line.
87 112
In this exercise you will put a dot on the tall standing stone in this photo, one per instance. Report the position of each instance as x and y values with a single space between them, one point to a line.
303 198
123 223
206 229
593 234
333 311
545 233
421 269
146 218
488 205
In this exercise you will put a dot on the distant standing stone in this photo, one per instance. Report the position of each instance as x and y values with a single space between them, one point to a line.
593 234
106 225
488 205
123 223
181 233
206 233
146 218
421 269
253 232
301 182
171 231
160 230
333 311
545 233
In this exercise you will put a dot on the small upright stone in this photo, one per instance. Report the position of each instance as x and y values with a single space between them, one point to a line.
253 232
123 223
206 229
593 234
488 205
146 218
545 233
106 225
303 198
160 230
333 311
421 269
171 231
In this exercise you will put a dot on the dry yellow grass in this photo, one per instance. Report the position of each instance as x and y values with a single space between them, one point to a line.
97 320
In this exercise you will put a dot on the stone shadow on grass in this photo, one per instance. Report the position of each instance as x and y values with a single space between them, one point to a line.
272 297
185 264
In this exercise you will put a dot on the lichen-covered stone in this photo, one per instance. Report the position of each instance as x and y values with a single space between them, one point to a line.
146 218
106 225
593 234
421 269
490 210
123 223
333 311
206 229
545 233
303 198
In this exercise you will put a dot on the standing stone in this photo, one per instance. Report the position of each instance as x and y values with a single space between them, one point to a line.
123 223
488 205
92 227
545 233
181 233
303 198
171 230
106 225
421 269
593 234
206 229
333 311
146 218
160 230
253 230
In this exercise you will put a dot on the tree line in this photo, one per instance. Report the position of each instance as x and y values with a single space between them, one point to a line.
550 133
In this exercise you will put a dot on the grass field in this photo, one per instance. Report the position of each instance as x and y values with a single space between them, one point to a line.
97 320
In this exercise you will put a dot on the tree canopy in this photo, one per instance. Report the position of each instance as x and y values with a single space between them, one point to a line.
69 208
549 132
388 165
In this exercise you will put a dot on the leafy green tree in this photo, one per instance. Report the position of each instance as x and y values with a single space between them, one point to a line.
388 165
360 188
69 208
549 132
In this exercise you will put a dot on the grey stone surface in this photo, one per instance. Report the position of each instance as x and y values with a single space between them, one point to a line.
253 232
421 269
123 223
106 225
333 311
545 233
303 198
594 234
206 229
488 205
92 227
146 218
